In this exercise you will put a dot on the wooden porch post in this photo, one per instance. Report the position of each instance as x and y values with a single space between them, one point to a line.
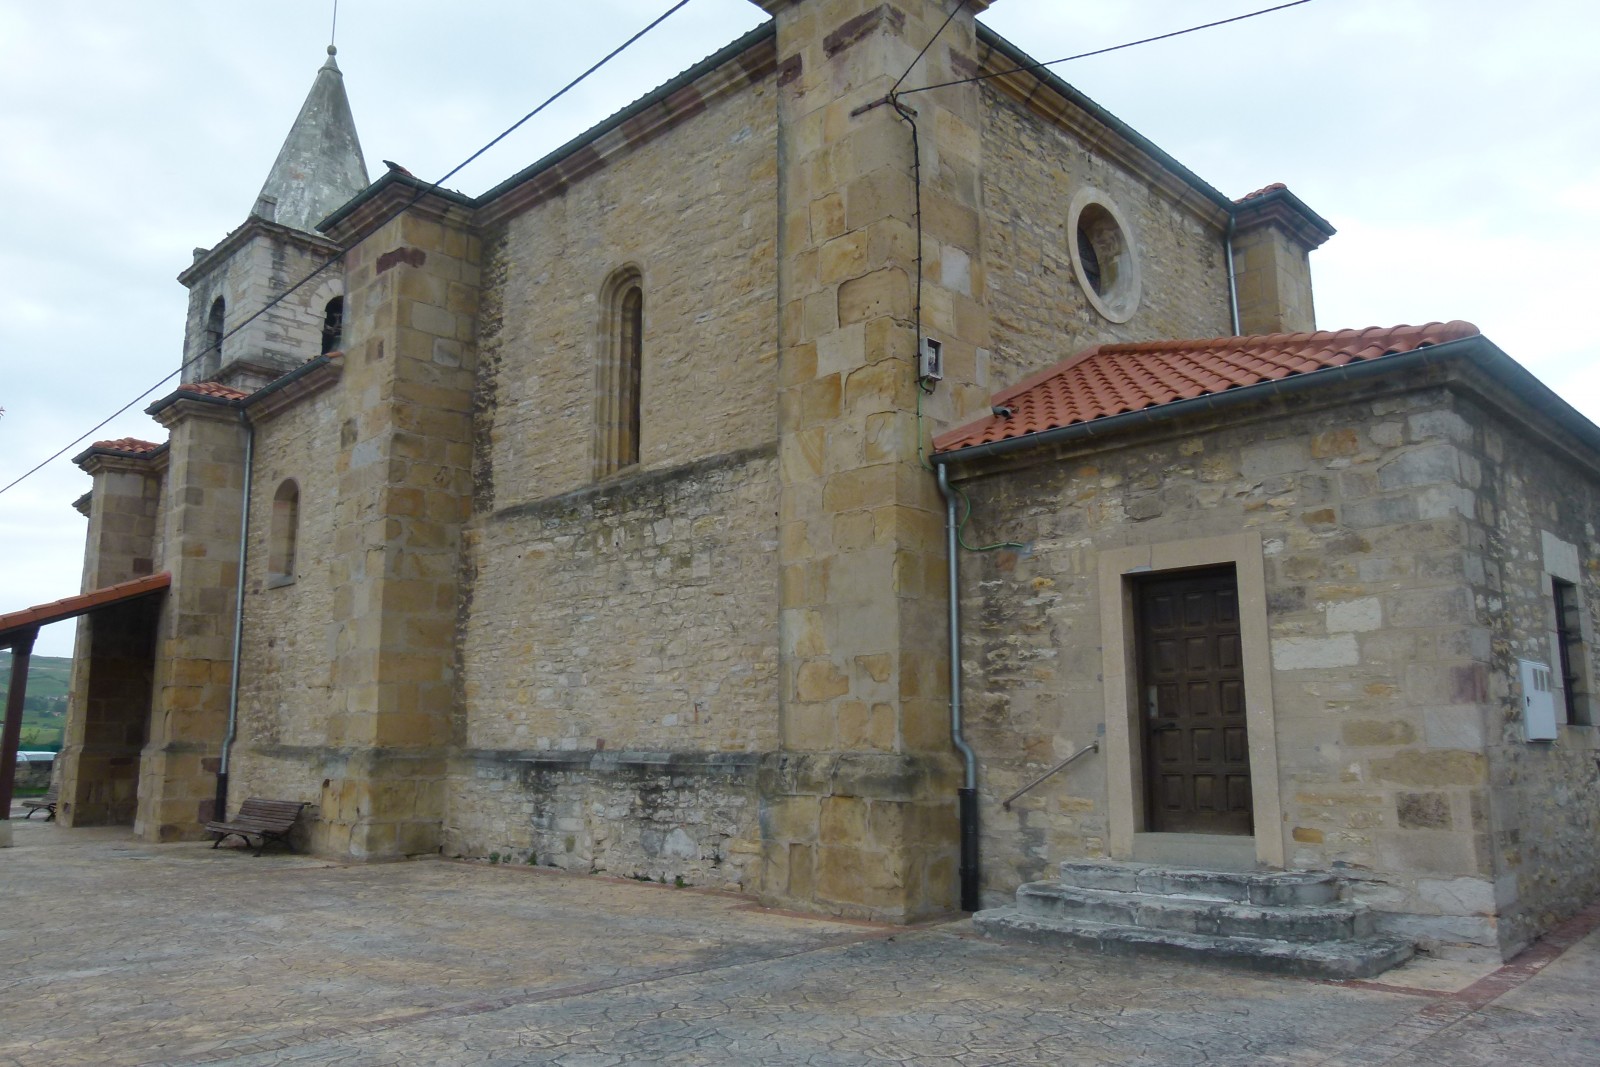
11 736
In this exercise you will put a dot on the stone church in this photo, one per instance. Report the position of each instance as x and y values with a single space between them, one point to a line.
609 521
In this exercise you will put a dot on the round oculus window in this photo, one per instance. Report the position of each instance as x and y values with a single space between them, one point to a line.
1103 255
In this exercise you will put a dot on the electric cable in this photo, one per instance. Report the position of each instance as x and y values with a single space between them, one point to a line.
892 98
959 5
1103 51
924 387
428 187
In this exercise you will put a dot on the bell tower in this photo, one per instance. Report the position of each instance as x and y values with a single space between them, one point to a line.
319 168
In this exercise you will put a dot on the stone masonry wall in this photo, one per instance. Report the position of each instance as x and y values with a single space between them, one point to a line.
1039 313
1381 649
695 212
639 615
684 818
285 688
288 334
1545 813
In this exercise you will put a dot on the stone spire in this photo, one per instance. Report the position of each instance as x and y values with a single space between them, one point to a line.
319 166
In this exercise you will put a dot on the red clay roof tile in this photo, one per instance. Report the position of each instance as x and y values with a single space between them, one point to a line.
131 445
216 389
1263 191
1119 378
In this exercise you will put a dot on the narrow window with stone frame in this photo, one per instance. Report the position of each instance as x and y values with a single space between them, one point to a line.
332 324
619 372
211 355
284 532
1570 649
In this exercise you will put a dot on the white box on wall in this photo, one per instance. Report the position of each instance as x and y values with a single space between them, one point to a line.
1538 702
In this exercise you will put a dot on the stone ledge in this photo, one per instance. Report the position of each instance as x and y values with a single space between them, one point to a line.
627 487
1335 959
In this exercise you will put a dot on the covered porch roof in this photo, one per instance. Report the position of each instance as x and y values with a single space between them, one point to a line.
15 625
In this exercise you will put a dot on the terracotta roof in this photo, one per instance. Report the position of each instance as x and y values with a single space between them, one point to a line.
1263 191
1117 379
131 445
216 389
30 618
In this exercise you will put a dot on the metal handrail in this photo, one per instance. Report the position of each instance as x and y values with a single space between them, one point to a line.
1093 746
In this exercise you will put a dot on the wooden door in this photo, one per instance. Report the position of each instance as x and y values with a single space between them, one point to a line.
1191 685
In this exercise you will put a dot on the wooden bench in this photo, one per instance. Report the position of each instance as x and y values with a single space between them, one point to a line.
46 804
266 820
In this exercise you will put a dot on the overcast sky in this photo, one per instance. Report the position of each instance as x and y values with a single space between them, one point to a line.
1455 144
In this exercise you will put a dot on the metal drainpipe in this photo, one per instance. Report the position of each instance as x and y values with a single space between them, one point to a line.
220 807
968 793
1233 279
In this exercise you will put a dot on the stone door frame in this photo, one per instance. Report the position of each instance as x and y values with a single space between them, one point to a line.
1125 786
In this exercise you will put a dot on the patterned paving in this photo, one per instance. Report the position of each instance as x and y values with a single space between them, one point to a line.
118 953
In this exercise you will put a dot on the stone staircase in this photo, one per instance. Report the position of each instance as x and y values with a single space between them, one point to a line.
1288 922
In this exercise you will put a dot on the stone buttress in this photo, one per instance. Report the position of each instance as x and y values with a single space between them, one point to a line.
859 813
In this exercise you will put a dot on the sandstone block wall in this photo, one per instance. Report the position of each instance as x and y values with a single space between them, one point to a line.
677 817
1040 315
695 212
1273 275
203 490
638 615
1537 513
1389 650
286 693
290 634
288 334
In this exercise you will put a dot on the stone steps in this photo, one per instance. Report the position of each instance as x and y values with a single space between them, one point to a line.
1285 922
1245 887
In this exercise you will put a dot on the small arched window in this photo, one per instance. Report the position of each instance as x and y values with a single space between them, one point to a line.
618 373
211 357
332 324
284 532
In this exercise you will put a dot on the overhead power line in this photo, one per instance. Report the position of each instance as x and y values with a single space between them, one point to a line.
1099 51
331 260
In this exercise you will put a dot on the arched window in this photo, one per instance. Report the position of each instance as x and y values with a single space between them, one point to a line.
618 373
332 324
284 531
211 357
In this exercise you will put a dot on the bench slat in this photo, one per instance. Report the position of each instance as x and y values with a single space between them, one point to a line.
46 804
269 820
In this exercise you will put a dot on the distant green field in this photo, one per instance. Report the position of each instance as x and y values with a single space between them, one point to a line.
44 710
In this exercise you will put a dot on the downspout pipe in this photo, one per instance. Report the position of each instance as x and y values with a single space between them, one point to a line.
967 795
220 808
1233 276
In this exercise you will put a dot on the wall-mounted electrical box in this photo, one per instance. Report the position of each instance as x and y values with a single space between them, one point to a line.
1538 702
930 360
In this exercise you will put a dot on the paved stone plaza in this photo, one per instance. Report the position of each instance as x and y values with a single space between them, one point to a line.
116 952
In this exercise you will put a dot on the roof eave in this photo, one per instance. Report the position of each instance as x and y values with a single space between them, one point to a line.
338 222
1283 207
94 452
180 395
14 625
241 234
1056 84
662 92
1517 379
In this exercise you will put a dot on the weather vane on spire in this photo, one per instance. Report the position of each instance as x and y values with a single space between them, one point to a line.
333 31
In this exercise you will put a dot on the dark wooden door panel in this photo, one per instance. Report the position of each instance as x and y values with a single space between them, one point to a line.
1191 675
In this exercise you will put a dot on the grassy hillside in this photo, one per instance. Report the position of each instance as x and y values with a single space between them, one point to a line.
45 710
